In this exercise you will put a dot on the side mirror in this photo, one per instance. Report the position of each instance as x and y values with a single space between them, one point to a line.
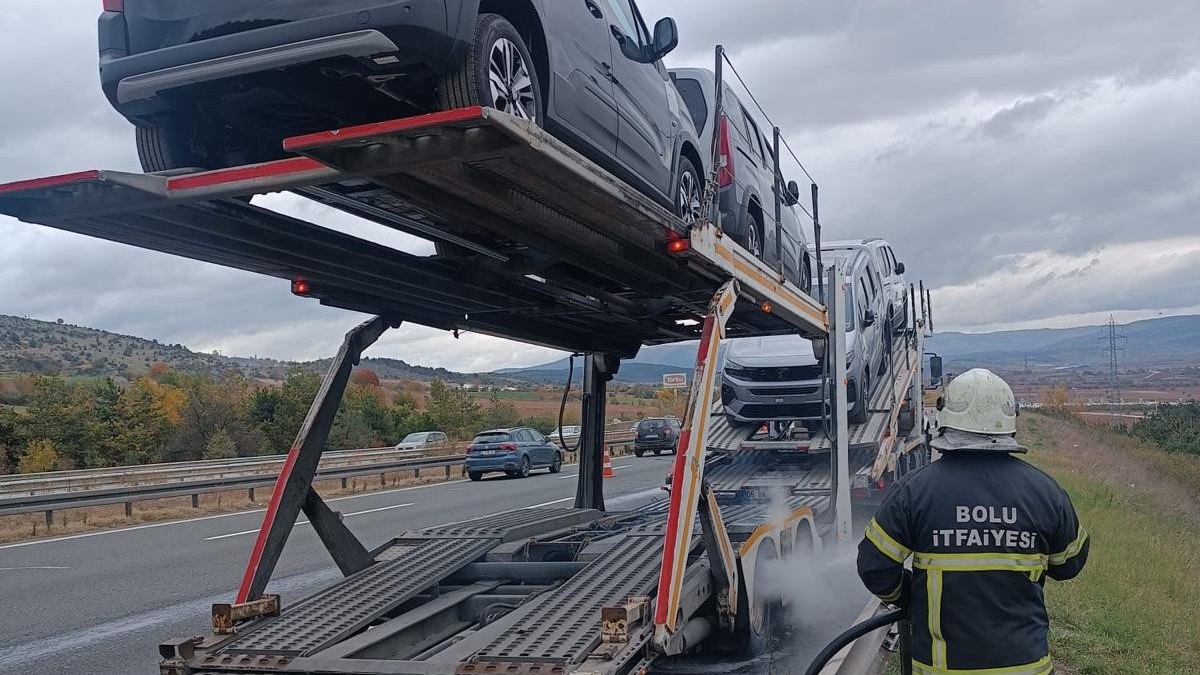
666 38
793 193
869 318
899 268
935 368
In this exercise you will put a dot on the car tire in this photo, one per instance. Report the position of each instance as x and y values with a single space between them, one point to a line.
496 44
862 397
639 453
525 469
166 148
475 476
752 241
556 465
657 452
689 195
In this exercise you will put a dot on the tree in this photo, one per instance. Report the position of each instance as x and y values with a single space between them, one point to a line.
1057 397
158 369
500 413
40 456
452 410
220 446
366 377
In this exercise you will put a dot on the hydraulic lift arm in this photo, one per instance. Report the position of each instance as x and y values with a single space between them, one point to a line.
293 490
687 478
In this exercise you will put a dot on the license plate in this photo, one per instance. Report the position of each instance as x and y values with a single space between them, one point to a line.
488 453
651 437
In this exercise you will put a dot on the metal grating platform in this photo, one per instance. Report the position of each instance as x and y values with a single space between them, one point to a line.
352 604
510 525
567 628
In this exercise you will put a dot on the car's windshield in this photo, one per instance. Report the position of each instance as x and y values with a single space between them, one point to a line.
416 438
650 425
492 437
693 97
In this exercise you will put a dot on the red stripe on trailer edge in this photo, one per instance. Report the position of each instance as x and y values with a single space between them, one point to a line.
245 173
307 141
50 181
268 520
666 573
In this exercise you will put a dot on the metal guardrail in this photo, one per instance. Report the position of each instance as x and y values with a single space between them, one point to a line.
60 500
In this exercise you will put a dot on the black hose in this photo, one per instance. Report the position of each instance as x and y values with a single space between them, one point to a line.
852 634
562 406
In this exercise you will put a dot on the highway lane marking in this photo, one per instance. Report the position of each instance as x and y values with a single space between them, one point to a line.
616 467
185 521
33 567
551 503
98 533
305 522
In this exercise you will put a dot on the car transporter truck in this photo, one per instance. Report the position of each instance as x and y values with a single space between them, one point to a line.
549 249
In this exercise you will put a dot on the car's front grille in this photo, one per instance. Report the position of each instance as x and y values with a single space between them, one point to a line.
786 391
783 374
761 411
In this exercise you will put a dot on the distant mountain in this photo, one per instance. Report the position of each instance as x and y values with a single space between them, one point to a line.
1152 342
32 346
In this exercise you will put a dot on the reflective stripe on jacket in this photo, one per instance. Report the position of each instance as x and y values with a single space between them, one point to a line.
982 532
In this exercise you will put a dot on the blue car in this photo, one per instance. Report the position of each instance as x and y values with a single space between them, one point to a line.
516 452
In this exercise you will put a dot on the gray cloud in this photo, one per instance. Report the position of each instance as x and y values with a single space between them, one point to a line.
1021 156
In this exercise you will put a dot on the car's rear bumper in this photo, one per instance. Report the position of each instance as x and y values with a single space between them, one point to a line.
655 445
412 33
509 462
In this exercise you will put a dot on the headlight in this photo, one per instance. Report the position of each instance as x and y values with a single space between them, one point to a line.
734 370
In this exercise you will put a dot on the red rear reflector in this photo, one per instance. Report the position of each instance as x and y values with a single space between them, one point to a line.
767 308
679 246
879 484
301 287
724 154
114 5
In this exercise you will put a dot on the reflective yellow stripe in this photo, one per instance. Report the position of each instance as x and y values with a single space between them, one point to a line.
894 595
885 543
1040 667
980 562
933 584
1072 549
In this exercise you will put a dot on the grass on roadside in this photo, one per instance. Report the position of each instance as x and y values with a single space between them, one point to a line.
1132 610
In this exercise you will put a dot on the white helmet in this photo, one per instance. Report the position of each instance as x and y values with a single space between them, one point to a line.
978 402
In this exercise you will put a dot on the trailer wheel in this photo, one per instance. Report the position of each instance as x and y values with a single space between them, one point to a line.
760 616
163 148
498 72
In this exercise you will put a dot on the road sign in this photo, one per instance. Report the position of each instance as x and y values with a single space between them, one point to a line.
675 381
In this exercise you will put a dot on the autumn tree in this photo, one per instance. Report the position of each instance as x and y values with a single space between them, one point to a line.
452 410
40 456
366 377
220 446
1057 397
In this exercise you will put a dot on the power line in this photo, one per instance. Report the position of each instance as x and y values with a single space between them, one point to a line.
1113 342
764 112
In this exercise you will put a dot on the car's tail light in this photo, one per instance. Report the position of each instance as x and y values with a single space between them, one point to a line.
511 447
724 154
114 5
471 448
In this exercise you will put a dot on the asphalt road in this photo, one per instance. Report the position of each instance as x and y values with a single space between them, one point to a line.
99 603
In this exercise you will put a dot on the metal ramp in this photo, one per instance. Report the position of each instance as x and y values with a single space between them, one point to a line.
536 243
561 628
406 567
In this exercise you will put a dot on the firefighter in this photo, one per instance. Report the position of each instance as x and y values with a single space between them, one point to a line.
983 529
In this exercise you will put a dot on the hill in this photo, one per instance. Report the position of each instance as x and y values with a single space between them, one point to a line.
1169 341
44 347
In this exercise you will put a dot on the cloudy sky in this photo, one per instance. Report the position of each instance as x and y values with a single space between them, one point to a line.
1036 162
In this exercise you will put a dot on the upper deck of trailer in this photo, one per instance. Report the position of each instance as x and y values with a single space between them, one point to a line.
535 242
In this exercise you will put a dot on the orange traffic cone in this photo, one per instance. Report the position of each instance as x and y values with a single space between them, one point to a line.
608 469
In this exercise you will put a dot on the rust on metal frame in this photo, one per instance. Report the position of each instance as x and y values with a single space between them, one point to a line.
226 616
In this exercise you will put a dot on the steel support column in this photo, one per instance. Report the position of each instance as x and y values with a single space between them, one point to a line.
292 489
598 370
840 456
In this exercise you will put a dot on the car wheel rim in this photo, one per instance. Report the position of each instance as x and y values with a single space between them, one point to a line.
752 243
511 81
689 198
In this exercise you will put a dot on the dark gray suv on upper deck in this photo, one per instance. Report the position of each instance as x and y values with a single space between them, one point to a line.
215 83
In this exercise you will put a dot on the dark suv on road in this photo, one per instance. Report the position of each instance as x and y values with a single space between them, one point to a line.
216 83
656 434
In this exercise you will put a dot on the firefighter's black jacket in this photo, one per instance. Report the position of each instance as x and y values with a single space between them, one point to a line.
983 530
